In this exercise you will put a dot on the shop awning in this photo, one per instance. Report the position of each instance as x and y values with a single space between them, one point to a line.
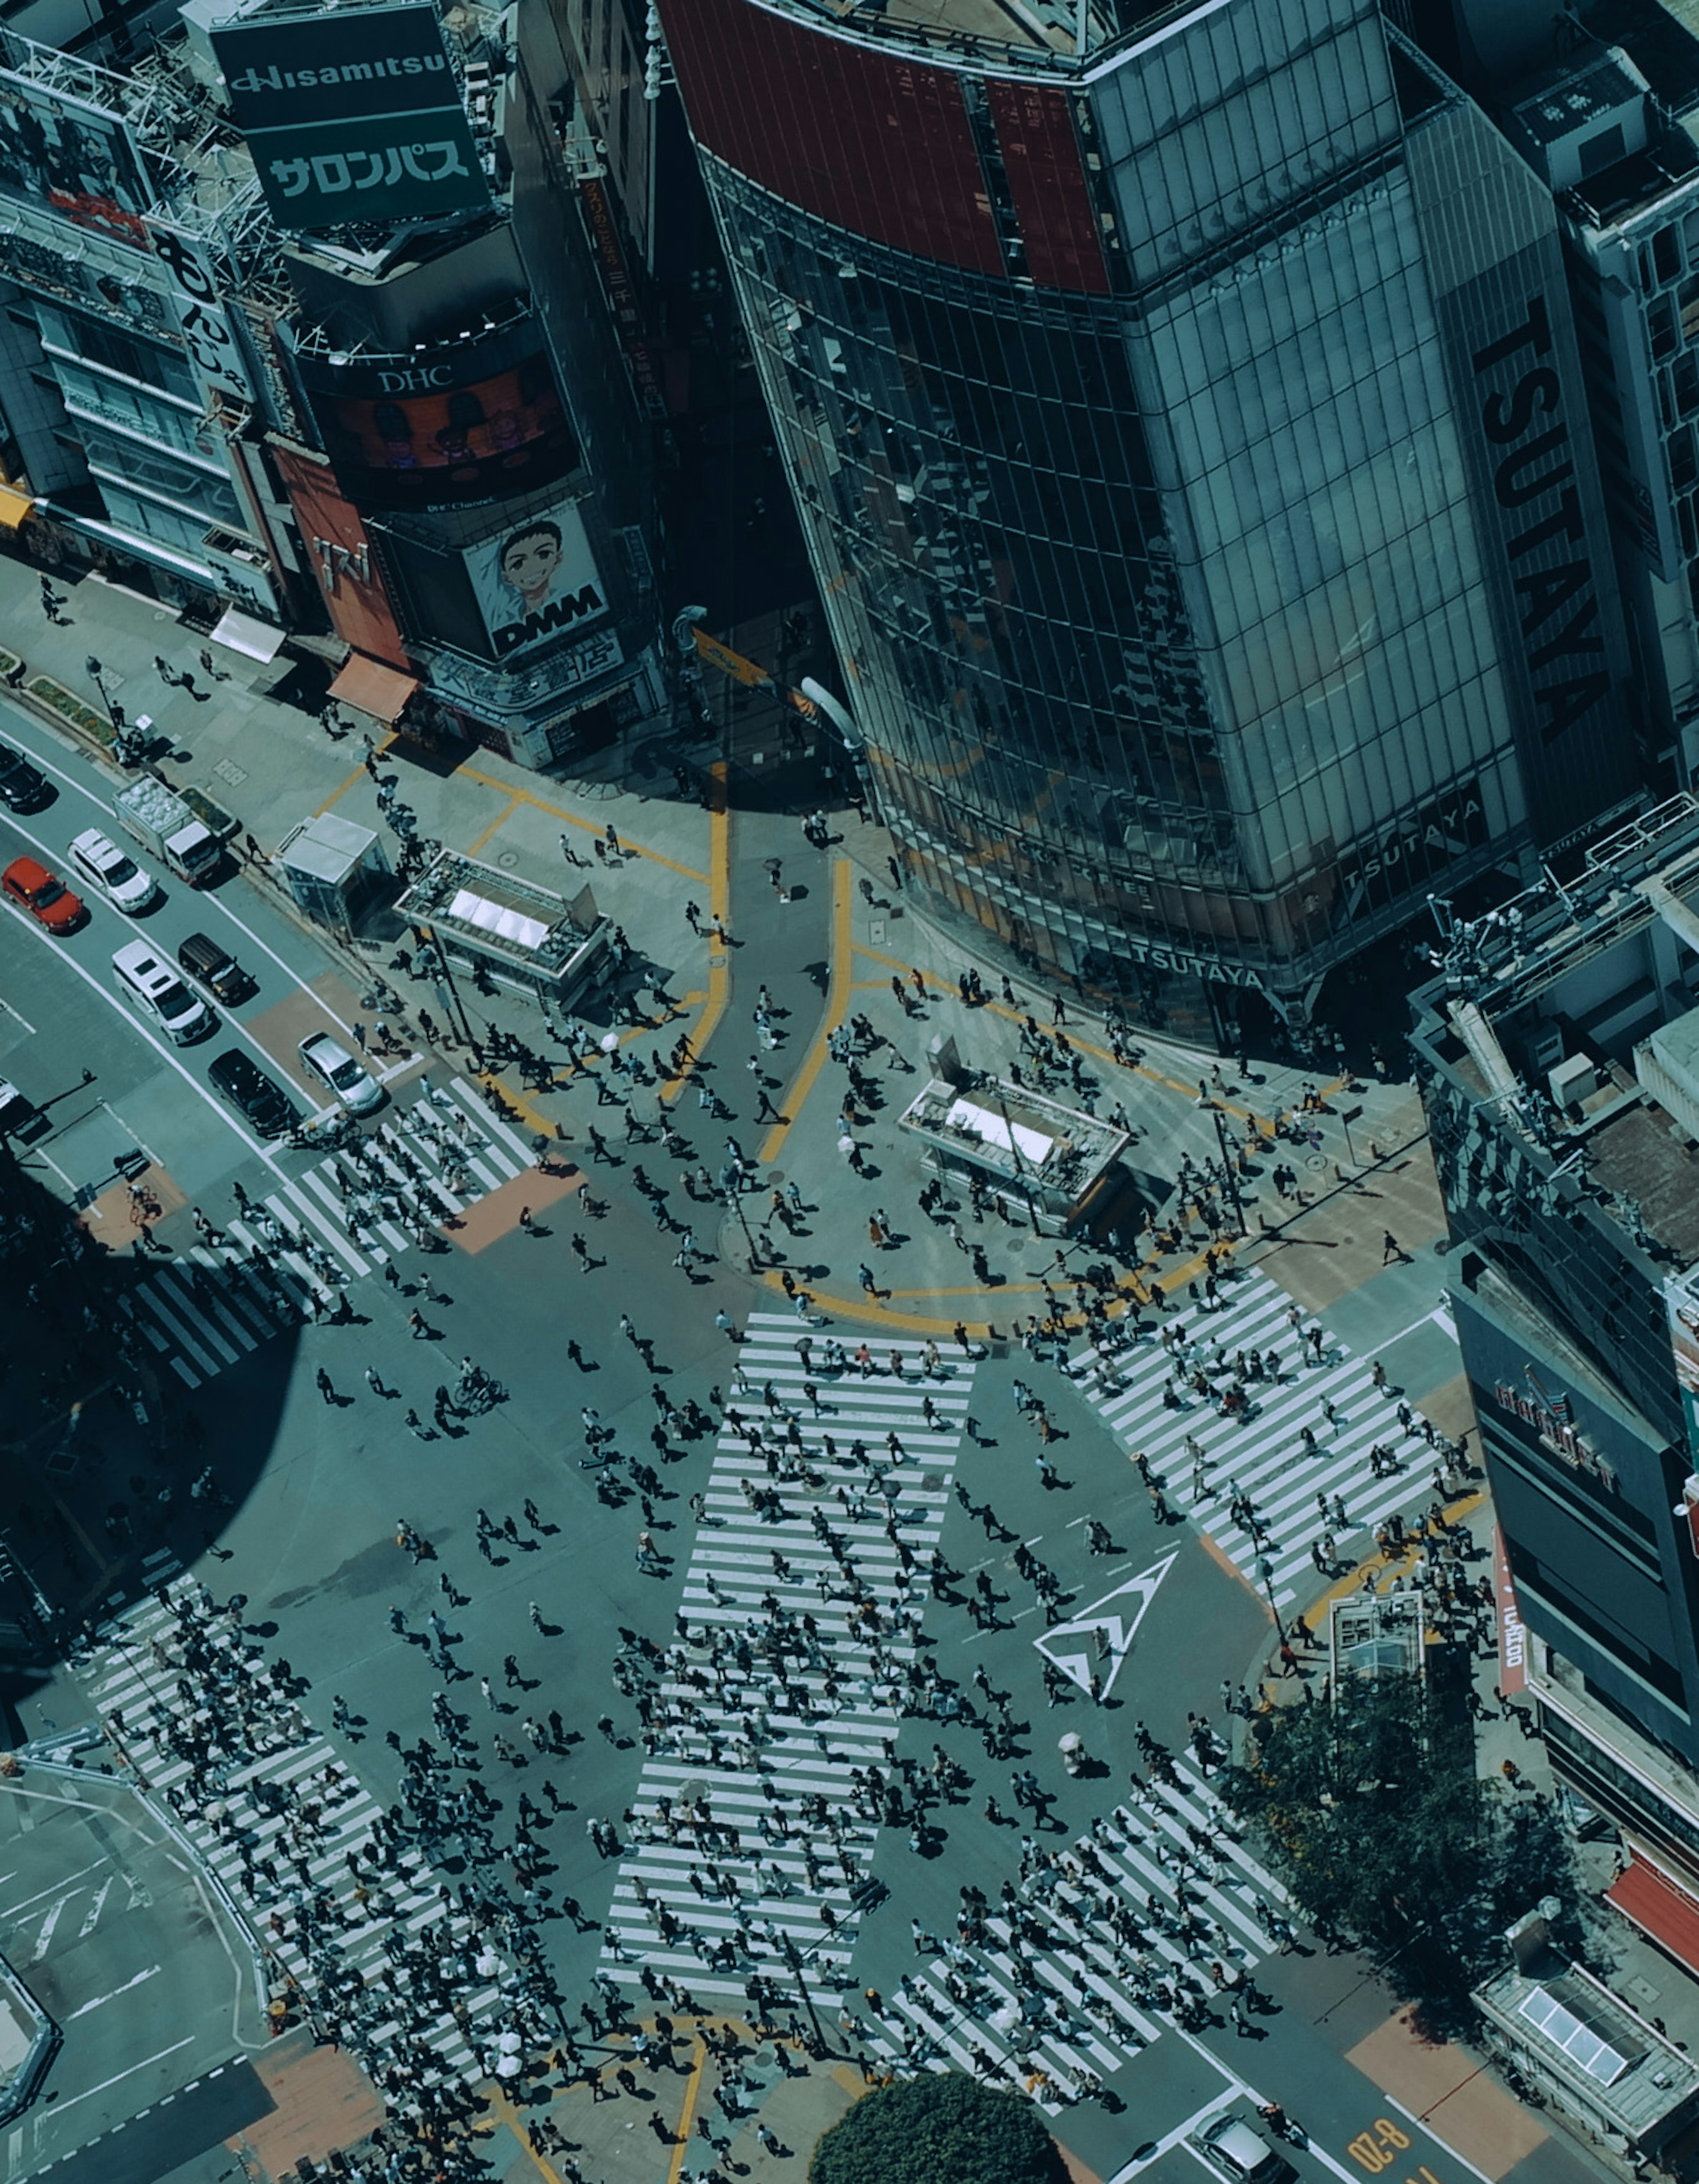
15 505
373 688
1668 1914
246 633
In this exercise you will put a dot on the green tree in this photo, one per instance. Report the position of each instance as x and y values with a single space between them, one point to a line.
1374 1813
938 2127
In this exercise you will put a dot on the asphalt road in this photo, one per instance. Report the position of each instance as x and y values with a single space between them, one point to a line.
320 1480
114 1928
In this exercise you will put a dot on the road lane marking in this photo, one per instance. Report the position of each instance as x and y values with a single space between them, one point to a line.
188 2041
151 1972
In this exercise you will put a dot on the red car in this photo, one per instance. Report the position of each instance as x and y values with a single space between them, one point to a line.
47 898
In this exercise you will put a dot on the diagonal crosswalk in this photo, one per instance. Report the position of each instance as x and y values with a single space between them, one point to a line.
288 1825
1158 1909
337 1221
756 1820
1262 1453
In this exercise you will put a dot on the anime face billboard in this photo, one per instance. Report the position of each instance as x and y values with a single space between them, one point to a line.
537 581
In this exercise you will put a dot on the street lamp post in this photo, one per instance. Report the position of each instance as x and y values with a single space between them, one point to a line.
1229 1170
1020 1166
1265 1570
794 1958
98 676
731 1185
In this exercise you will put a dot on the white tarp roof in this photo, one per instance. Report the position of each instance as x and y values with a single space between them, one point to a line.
247 633
497 918
1032 1147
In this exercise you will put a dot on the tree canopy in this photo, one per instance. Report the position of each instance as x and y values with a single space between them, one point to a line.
934 2127
1376 1817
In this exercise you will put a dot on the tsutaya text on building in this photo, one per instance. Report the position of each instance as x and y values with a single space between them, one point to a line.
1551 1420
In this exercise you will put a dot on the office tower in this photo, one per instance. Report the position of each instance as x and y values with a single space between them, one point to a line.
306 322
1558 1060
1183 413
1601 104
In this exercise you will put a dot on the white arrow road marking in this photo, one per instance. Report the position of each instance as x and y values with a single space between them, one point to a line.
98 1906
1117 1622
151 1972
46 1935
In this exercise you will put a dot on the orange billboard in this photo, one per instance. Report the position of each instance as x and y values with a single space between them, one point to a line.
341 557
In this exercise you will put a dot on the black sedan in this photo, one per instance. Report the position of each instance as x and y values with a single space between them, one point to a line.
23 787
259 1099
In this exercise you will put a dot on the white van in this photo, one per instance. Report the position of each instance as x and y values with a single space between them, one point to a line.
154 990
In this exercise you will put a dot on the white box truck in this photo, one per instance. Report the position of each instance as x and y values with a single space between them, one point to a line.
157 817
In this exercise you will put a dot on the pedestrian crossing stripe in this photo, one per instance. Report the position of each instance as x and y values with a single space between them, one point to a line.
120 1677
200 1314
796 1742
1051 2017
1118 1630
1263 1453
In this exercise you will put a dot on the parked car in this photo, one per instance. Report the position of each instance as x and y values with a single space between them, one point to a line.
44 894
100 860
23 787
257 1098
358 1091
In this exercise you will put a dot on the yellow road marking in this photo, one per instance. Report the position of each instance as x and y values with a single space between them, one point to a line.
698 2056
521 795
719 878
515 2123
837 1001
335 796
495 825
1384 1566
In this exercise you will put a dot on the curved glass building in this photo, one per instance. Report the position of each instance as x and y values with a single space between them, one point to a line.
1148 378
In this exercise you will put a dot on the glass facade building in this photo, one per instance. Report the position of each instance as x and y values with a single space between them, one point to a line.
1143 467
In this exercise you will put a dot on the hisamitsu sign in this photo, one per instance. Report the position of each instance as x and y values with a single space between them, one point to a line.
352 117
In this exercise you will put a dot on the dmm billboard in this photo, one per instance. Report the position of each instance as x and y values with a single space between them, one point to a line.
352 116
536 580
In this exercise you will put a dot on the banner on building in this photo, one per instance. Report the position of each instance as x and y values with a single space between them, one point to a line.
77 158
210 337
341 556
352 115
535 582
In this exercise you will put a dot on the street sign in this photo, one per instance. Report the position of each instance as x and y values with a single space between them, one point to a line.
1104 1629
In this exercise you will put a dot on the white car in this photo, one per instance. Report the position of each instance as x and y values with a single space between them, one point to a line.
103 865
1241 2154
356 1091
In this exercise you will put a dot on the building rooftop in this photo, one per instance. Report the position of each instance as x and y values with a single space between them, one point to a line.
501 914
1055 34
1590 2039
1012 1132
1567 1020
1568 102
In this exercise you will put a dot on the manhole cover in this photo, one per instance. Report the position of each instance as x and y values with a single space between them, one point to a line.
507 861
1315 1159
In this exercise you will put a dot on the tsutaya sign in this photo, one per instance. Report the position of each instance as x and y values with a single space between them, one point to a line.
351 115
1550 1417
